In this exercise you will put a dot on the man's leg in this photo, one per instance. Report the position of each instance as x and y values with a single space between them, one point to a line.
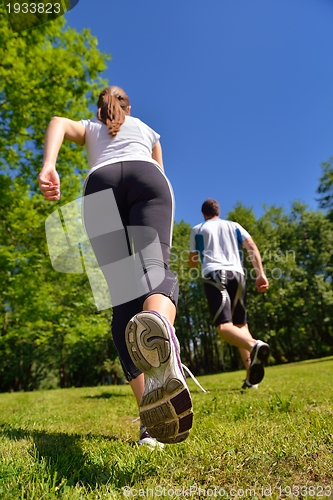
237 336
245 353
254 353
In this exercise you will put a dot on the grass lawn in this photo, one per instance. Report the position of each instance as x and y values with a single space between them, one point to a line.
274 442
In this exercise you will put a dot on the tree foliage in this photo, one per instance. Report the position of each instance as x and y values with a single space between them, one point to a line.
325 188
49 323
294 315
50 330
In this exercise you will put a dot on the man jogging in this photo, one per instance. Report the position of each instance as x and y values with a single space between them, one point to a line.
218 243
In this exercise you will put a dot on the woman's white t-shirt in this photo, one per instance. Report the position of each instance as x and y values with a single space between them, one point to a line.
134 141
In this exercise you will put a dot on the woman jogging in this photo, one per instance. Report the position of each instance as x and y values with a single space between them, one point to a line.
125 159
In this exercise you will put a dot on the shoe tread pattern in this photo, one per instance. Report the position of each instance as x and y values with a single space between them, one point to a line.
256 371
166 410
149 339
173 431
170 421
256 374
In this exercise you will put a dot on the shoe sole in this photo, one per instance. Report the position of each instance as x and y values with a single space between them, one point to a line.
166 404
256 371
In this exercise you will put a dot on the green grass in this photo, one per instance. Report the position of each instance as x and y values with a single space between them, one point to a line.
274 442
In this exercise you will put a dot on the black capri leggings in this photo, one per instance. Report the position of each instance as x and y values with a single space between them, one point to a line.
145 203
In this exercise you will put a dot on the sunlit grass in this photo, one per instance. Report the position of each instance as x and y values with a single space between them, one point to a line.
81 443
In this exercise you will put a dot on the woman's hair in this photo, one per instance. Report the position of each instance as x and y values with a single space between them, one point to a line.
210 208
112 104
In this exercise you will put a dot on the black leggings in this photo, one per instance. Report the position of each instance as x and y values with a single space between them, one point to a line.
144 202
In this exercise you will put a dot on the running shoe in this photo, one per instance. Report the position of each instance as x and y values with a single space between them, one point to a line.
247 385
166 404
146 439
259 356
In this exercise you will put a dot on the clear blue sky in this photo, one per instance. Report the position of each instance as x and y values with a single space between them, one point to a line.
241 92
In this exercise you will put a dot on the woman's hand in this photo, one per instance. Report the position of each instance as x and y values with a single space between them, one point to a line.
58 129
49 184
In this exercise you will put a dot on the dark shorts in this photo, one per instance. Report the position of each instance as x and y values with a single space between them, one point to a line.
144 200
226 297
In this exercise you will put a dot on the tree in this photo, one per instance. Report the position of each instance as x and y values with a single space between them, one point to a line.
325 188
201 349
294 316
48 320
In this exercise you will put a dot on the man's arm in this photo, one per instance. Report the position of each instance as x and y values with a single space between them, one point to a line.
193 256
193 259
255 258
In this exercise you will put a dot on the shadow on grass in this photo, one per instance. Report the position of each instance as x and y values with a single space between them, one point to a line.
226 390
65 458
312 361
106 395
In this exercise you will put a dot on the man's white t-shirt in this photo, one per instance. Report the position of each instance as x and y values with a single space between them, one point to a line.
134 141
219 243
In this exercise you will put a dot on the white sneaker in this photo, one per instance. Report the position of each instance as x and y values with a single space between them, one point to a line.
259 356
247 385
147 440
166 404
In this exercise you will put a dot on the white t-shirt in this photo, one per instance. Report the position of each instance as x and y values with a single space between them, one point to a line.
219 243
134 141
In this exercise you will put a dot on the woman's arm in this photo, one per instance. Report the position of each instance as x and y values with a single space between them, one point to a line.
157 154
58 129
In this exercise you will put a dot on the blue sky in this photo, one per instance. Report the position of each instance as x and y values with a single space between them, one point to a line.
240 91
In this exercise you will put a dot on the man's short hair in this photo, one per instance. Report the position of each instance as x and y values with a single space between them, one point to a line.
211 208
